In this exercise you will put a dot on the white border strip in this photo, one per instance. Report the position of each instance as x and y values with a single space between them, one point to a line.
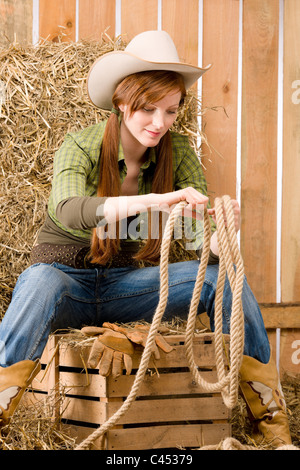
118 29
35 21
200 58
200 35
77 21
159 15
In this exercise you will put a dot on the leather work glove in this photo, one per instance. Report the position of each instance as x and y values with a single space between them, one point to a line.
109 351
138 335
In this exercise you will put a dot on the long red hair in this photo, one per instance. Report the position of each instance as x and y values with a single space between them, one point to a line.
136 91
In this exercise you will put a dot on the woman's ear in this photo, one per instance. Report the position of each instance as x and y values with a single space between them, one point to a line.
122 108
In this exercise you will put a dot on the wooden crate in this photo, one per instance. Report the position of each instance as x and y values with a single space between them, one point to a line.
169 412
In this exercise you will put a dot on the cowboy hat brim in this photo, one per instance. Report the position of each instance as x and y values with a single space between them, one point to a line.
111 68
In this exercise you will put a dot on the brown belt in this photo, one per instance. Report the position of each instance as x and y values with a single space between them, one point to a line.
77 256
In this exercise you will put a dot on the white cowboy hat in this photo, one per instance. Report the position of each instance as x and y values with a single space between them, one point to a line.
150 50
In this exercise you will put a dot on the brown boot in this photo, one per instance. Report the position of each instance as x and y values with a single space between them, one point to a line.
262 392
13 382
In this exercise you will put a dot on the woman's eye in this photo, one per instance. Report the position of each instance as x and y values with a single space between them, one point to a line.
150 110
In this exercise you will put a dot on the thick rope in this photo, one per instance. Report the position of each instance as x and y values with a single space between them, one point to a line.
229 256
164 289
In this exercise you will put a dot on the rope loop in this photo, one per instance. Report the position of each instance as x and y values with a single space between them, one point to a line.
230 262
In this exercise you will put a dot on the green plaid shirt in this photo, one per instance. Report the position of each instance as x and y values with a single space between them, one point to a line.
76 169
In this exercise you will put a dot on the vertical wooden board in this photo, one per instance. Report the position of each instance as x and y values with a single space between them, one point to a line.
180 20
220 89
259 145
290 352
272 340
95 17
16 21
137 17
290 276
57 20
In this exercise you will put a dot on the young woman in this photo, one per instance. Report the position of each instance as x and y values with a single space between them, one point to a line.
86 268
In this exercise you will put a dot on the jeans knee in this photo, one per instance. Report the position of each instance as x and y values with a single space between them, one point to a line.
41 277
37 270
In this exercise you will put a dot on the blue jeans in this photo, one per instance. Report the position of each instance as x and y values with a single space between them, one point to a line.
52 297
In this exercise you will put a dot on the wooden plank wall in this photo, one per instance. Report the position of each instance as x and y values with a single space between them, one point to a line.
15 21
254 86
291 155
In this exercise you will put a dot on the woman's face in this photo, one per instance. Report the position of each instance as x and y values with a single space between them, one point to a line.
149 124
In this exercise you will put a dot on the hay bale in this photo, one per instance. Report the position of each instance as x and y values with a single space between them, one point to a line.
42 97
45 98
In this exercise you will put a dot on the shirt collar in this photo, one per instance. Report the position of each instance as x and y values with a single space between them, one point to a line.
146 164
121 153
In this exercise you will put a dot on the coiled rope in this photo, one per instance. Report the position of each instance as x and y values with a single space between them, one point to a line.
229 255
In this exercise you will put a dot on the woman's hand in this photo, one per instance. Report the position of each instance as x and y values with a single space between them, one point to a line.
236 213
196 201
190 195
117 208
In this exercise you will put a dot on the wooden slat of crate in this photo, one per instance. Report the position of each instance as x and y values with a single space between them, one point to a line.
157 437
154 437
47 379
165 384
203 350
147 411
